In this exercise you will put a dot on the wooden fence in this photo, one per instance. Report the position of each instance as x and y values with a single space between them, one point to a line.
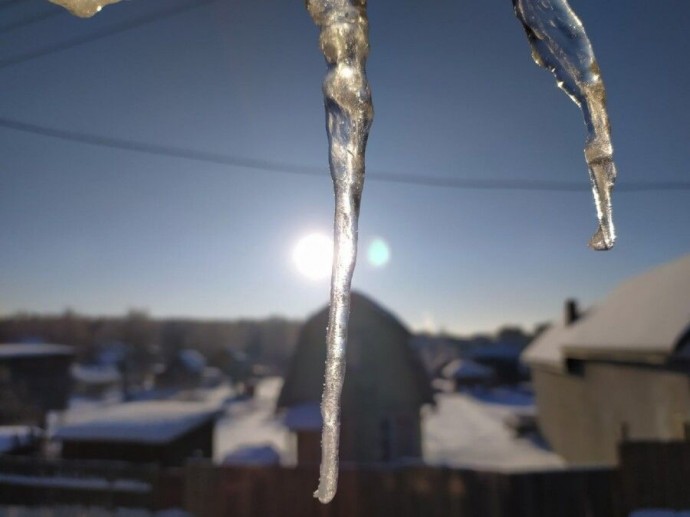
400 492
654 475
650 475
33 481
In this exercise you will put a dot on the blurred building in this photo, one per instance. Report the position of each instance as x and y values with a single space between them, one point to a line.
620 371
385 388
34 379
165 432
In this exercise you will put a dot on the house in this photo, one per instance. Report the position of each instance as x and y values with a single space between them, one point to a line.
166 432
184 370
96 381
385 388
34 379
466 373
619 371
503 358
20 439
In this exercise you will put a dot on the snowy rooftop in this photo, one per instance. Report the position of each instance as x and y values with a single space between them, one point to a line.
95 374
546 349
644 318
14 350
15 436
466 369
149 422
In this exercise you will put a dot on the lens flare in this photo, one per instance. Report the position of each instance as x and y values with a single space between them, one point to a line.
378 253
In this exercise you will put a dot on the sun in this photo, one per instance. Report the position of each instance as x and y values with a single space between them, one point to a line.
313 255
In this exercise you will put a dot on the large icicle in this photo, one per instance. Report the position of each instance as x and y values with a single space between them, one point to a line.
84 8
560 44
344 42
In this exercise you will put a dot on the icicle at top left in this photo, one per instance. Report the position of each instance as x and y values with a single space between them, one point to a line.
84 8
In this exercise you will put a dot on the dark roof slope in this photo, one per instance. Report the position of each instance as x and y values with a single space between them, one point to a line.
380 363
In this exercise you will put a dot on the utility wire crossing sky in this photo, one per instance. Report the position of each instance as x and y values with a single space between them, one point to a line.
128 143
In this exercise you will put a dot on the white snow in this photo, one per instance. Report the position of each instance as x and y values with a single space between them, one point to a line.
466 369
12 350
14 436
643 318
151 421
253 423
461 432
647 313
464 432
123 485
95 374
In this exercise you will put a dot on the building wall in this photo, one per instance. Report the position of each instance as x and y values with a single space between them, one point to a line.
32 386
585 416
195 443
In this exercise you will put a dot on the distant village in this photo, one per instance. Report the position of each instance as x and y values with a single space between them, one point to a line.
135 411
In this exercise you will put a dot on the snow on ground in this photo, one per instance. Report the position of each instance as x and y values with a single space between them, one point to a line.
461 431
465 432
252 422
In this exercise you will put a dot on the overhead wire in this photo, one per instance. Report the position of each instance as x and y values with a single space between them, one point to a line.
265 165
307 170
114 29
5 29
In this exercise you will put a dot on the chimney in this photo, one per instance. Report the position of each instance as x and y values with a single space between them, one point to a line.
571 312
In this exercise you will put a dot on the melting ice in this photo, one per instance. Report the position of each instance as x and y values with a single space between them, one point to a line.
344 42
84 8
560 44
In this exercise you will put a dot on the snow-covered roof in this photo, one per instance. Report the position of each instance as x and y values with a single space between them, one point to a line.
466 369
14 350
95 374
157 421
643 319
546 349
16 436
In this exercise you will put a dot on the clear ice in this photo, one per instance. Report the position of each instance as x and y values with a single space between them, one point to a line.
344 41
84 8
560 44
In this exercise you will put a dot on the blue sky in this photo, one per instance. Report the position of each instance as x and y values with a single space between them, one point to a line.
456 96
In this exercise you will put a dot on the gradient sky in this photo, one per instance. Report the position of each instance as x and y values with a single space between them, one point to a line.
456 95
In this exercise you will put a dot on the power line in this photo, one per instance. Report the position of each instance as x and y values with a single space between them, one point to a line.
287 168
31 20
115 29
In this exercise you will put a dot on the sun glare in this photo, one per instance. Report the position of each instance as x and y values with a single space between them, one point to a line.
313 255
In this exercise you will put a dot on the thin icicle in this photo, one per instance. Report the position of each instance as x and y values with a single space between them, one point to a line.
560 44
345 45
84 8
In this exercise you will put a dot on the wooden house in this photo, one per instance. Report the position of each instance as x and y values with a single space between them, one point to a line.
34 379
620 371
385 388
166 432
